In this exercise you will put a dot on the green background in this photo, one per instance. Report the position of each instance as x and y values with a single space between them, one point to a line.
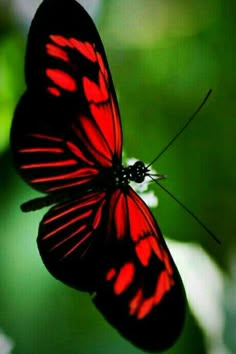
164 56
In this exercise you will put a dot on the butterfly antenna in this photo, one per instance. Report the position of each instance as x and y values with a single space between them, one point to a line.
188 211
182 129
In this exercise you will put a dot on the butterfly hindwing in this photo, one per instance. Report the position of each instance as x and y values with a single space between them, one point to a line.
141 293
70 241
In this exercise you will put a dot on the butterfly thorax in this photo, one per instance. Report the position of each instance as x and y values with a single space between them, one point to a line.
121 176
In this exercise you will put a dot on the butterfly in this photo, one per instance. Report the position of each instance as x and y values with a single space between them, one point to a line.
66 138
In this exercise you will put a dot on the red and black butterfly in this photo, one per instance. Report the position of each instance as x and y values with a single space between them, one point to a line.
66 139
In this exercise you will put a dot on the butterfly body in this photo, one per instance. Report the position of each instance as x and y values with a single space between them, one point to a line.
98 236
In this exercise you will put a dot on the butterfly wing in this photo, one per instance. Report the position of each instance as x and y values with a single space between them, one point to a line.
111 245
66 132
66 127
71 240
141 292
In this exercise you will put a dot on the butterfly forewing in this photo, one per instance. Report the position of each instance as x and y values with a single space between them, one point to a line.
67 125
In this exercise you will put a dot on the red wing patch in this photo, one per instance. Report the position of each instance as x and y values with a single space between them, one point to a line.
96 93
85 48
57 52
62 80
140 231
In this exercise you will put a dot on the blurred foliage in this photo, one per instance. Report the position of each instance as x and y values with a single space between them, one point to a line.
11 62
164 57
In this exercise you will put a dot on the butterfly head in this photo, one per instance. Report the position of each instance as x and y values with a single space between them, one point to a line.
137 172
